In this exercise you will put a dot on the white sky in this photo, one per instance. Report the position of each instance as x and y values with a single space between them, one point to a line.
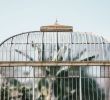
17 16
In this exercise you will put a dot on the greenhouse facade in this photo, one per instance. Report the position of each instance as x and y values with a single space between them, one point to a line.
55 63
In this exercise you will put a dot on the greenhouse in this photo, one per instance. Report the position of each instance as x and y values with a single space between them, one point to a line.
55 63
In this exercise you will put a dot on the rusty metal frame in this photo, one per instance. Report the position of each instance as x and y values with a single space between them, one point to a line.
54 63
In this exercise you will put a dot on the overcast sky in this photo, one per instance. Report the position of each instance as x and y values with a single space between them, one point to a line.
17 16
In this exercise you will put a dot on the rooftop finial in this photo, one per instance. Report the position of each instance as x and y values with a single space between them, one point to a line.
56 22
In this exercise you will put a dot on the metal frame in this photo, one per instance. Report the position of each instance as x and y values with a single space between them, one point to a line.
54 63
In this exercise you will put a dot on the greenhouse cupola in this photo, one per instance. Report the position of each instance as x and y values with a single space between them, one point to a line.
56 27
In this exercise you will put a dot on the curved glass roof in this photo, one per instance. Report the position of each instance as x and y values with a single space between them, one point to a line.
54 46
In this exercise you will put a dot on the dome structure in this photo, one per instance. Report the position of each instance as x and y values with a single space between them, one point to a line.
58 46
52 43
55 42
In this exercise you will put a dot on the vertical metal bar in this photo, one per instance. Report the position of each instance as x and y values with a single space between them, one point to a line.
5 72
33 83
42 46
80 83
57 45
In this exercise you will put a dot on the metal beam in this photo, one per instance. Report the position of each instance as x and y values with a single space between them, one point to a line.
54 63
